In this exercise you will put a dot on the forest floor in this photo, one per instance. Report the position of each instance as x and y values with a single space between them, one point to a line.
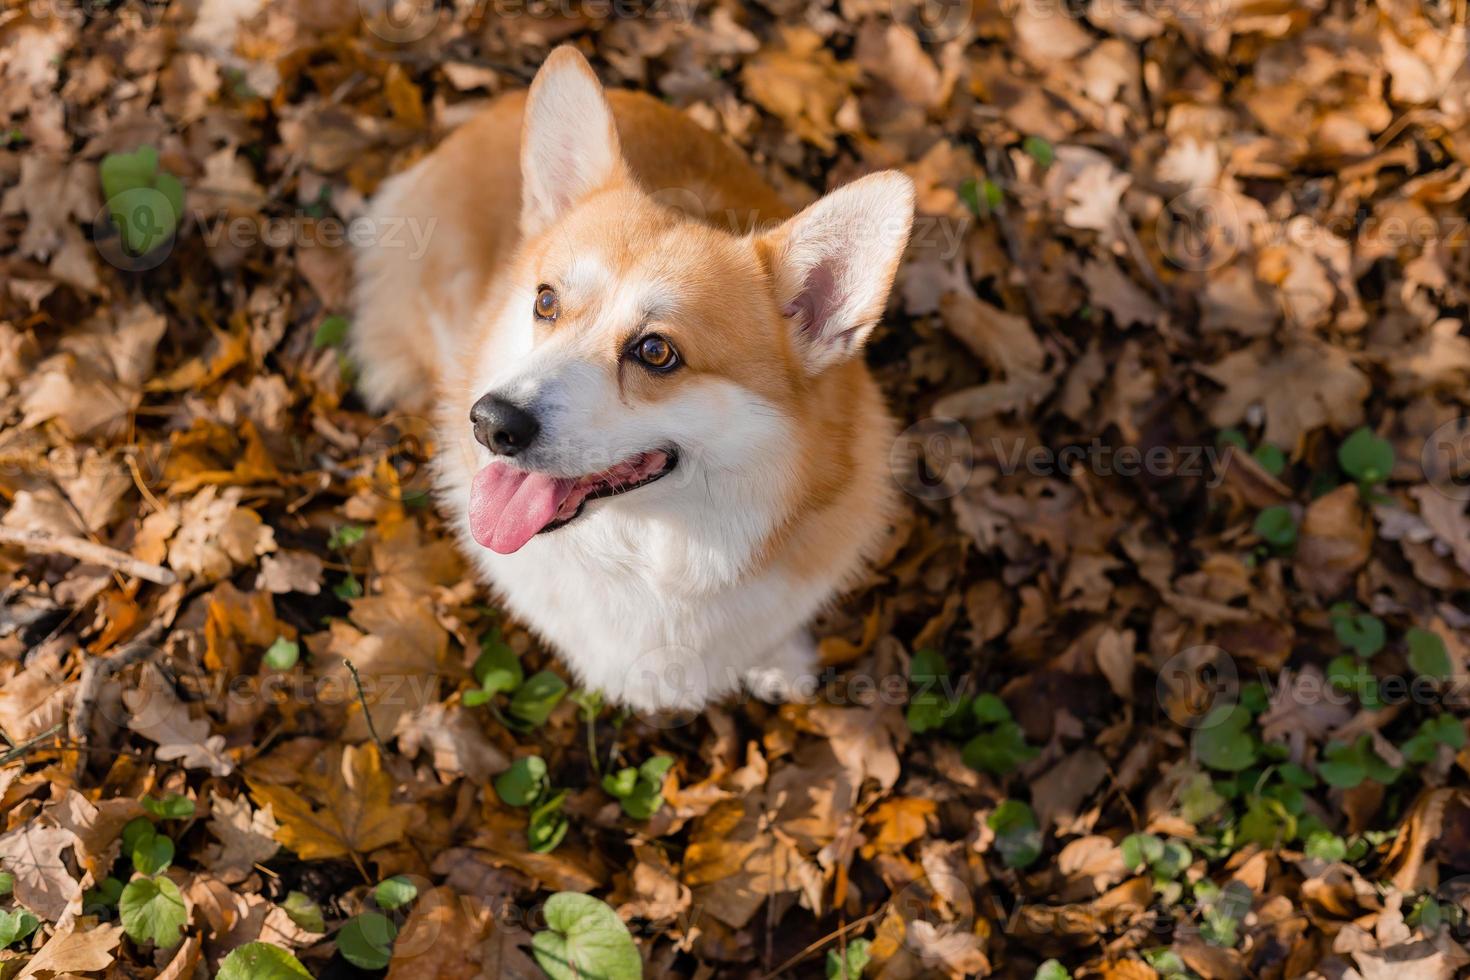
1164 671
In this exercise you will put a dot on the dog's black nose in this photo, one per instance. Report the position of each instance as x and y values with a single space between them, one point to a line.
501 427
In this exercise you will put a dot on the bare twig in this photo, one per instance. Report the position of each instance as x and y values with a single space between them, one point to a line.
29 744
97 671
362 698
45 543
817 946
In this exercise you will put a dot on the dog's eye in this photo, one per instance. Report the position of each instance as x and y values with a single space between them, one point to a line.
657 353
547 305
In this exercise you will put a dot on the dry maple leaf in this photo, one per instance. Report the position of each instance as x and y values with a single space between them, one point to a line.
247 837
1003 340
456 745
450 936
1300 388
83 951
344 807
290 571
398 649
156 713
864 739
32 852
1336 539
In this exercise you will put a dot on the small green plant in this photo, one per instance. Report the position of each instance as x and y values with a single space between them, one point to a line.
848 963
930 705
260 961
283 654
1223 741
303 910
533 701
589 703
640 791
994 743
1429 914
585 938
1052 970
1366 458
171 807
1223 910
366 940
145 204
527 784
1000 747
498 671
153 854
1361 632
1017 834
1039 150
16 925
331 332
394 893
1165 860
1271 458
1324 845
343 539
1423 745
1277 527
1427 654
982 197
547 825
1345 765
1169 965
524 782
153 911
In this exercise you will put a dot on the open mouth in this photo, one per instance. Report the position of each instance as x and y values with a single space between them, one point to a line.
510 506
630 474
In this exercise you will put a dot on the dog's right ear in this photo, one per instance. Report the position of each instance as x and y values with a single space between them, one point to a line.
569 143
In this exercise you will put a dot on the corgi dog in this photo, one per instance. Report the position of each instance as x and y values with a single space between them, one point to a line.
655 435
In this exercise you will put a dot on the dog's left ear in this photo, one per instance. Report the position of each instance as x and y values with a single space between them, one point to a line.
569 142
833 264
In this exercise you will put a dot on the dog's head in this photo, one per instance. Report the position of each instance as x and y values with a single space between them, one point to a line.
643 360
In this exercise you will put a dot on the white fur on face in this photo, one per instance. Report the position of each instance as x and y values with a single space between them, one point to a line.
734 472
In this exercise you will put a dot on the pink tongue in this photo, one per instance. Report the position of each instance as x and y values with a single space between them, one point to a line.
508 506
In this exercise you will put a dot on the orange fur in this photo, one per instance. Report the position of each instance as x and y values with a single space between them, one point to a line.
642 222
